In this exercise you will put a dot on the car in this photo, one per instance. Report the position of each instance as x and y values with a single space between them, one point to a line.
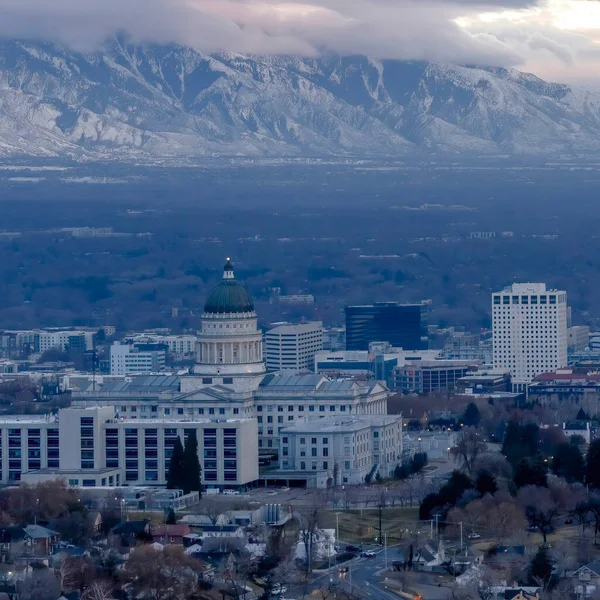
368 554
272 493
230 492
285 488
353 548
278 589
473 536
568 521
343 569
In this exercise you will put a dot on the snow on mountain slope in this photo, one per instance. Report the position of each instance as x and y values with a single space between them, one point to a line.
172 101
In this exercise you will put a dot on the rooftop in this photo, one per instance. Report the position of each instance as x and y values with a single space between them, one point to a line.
339 424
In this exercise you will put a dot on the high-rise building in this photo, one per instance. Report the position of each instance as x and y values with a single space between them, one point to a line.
529 324
398 324
293 346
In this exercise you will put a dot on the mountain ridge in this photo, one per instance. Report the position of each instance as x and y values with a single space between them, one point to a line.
133 101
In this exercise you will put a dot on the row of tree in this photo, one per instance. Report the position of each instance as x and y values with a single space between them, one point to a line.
185 472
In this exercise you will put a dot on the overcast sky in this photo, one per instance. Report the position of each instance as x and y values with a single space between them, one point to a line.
556 39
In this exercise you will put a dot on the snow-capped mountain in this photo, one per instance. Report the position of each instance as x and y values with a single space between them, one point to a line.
172 101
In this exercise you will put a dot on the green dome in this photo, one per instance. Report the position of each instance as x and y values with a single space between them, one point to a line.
229 296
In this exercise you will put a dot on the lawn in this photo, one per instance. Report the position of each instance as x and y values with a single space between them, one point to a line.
362 525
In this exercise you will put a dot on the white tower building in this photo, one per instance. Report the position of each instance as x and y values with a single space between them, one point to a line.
229 349
293 346
529 326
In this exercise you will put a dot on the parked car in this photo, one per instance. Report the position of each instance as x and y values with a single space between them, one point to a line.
568 521
368 554
353 548
272 493
285 488
230 492
473 536
278 589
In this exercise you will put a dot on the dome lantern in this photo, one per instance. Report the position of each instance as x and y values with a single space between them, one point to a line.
229 297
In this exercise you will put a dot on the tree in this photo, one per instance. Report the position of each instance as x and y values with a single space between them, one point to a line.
540 508
39 585
161 574
176 473
170 518
191 465
568 463
486 484
470 447
530 472
471 416
592 467
540 569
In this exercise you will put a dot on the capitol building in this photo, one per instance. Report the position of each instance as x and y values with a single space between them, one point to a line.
227 392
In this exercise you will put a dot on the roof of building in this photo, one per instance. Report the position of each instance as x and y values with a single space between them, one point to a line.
229 296
338 424
37 532
215 528
178 530
130 527
146 383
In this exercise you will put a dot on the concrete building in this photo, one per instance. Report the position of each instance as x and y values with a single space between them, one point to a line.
177 344
293 347
92 447
426 377
529 324
399 325
578 338
338 451
126 360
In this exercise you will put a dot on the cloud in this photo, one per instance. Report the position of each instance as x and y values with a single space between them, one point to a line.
558 39
417 29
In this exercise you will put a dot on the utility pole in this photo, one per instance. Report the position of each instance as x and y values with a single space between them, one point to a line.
337 528
431 529
385 550
461 536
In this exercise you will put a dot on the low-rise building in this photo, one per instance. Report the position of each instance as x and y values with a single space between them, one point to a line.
578 338
126 359
93 447
426 377
341 450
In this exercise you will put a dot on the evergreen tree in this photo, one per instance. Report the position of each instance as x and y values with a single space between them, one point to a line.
592 474
486 484
541 567
176 474
581 415
472 416
568 463
191 465
530 471
170 518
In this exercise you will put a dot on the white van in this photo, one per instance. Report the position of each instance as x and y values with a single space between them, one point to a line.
230 493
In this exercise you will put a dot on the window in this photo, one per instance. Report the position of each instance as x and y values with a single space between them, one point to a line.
325 441
321 408
313 452
228 380
302 466
313 440
325 465
303 440
206 380
325 451
311 408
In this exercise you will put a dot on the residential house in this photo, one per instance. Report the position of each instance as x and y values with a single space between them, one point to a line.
41 540
129 533
430 556
170 534
220 531
586 579
516 593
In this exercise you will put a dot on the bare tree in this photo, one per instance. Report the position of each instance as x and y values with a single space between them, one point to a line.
540 508
40 585
98 590
161 574
308 520
470 447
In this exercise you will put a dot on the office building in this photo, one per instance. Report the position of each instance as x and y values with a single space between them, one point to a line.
529 324
293 346
127 360
92 447
400 325
340 451
427 377
578 338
